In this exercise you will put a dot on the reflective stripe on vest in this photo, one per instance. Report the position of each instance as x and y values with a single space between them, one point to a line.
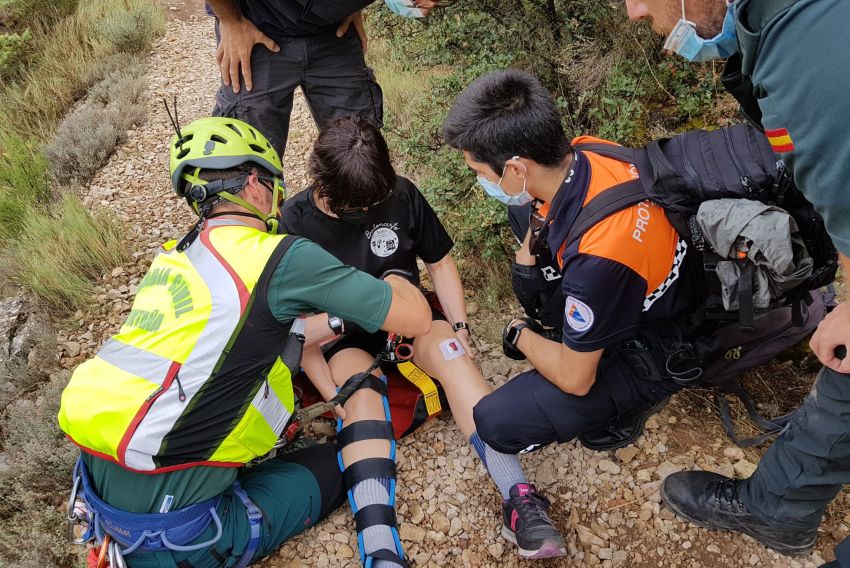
126 403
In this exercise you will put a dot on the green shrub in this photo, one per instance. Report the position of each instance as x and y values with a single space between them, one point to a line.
57 255
13 51
134 30
22 182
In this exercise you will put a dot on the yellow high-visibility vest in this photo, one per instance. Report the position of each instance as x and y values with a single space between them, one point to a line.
194 376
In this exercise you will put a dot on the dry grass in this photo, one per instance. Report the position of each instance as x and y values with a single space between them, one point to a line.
70 53
39 463
403 87
54 251
58 255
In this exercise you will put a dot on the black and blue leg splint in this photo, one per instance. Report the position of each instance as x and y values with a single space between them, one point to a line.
372 468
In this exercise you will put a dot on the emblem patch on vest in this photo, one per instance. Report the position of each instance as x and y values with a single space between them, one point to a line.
780 140
578 314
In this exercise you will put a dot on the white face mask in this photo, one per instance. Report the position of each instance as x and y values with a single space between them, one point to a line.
684 40
494 190
406 8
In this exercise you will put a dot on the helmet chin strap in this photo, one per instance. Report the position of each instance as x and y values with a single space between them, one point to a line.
270 219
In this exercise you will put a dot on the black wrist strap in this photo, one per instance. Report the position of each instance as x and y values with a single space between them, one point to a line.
519 327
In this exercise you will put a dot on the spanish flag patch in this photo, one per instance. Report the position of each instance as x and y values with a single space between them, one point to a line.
780 140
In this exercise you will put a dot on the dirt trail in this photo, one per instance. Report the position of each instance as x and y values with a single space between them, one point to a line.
606 504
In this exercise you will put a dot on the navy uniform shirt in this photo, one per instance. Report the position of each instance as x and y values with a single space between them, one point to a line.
630 269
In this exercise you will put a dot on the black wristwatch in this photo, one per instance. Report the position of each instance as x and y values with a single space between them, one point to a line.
336 324
462 325
512 336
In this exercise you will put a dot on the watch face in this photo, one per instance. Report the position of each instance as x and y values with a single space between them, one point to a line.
513 335
335 324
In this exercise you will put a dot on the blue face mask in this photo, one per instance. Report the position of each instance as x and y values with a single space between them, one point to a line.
406 8
685 41
495 190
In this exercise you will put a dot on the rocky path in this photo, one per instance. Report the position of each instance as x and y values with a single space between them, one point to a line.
607 504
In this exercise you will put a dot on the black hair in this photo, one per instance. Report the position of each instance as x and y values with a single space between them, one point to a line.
505 114
350 164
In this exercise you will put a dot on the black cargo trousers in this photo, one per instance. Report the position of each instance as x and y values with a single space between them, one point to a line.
331 72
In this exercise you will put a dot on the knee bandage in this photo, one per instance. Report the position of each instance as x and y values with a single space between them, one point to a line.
367 477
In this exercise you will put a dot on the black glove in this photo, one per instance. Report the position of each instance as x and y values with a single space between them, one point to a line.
510 350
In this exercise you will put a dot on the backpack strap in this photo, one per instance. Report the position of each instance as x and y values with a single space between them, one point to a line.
608 151
770 427
604 205
746 307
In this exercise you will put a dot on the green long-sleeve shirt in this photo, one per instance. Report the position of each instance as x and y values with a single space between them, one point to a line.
801 77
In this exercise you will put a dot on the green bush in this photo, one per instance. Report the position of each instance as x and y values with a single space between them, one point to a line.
57 255
13 50
607 75
23 182
134 30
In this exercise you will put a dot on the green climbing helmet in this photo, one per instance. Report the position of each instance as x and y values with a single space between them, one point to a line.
217 143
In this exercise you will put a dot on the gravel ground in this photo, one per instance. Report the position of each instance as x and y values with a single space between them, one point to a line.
607 504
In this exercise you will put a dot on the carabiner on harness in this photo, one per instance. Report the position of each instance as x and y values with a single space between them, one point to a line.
80 529
116 559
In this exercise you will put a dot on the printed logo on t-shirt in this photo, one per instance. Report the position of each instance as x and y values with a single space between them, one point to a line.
383 239
579 315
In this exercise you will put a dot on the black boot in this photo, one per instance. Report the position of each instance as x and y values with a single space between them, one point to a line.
624 431
833 564
711 501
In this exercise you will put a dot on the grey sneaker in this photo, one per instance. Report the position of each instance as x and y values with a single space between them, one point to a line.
527 525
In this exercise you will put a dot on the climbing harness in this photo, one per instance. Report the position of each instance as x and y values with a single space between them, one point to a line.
117 533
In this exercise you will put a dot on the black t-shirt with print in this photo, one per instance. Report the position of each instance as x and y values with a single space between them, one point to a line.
403 227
